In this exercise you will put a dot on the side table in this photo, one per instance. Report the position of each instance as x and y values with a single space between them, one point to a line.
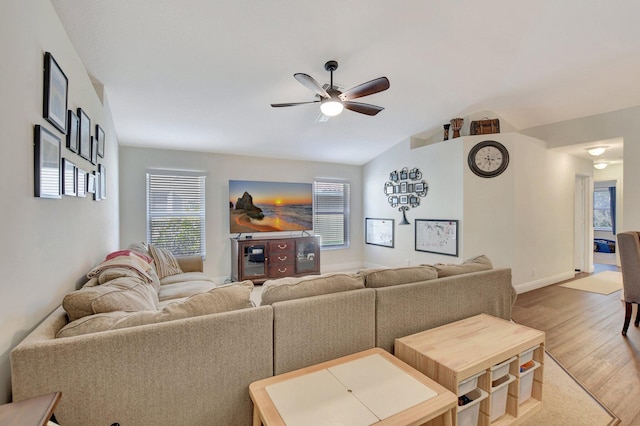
29 412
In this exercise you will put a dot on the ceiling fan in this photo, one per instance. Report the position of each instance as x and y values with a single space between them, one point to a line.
333 101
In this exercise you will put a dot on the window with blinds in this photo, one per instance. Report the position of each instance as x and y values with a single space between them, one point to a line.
332 209
176 211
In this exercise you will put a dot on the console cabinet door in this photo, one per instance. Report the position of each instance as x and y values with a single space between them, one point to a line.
307 256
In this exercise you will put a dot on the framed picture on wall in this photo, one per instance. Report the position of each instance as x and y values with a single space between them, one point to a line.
96 193
94 150
84 133
379 232
91 183
100 138
56 88
103 181
82 182
46 163
437 236
72 131
69 179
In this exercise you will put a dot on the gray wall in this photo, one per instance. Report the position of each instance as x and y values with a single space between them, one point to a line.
134 163
48 244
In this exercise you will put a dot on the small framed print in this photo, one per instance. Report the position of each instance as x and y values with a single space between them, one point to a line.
84 133
47 160
437 236
96 193
72 131
403 188
404 199
56 88
379 232
91 183
404 174
82 182
100 137
103 181
388 189
393 176
396 189
94 150
69 179
419 187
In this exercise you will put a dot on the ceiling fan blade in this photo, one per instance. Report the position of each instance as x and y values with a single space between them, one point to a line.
364 89
293 104
308 82
367 109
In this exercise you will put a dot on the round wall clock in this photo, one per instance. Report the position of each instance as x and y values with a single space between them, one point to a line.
488 159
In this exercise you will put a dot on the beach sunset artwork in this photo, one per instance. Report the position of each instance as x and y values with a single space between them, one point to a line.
256 206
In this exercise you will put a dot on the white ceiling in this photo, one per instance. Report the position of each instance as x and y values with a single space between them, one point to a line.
200 74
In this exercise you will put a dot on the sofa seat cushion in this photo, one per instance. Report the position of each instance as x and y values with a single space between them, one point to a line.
311 285
220 299
184 277
184 289
474 264
128 294
376 278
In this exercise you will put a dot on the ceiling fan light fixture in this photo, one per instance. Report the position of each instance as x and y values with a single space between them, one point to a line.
331 107
597 150
601 165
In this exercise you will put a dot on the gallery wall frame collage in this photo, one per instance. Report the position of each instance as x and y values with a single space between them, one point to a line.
56 174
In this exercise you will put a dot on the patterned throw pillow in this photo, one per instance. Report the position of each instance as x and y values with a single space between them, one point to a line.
166 263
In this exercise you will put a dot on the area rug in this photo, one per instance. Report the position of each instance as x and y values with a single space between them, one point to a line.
566 403
605 282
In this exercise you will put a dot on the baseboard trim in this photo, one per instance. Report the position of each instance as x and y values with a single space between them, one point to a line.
543 282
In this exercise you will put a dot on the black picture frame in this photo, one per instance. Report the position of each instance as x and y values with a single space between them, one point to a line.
91 183
96 194
69 178
102 181
72 131
47 159
56 89
94 151
379 232
84 134
100 137
82 182
437 236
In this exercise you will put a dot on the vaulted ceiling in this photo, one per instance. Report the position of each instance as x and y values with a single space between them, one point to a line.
201 74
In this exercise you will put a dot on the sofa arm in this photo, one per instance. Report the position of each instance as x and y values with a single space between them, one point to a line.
193 371
191 263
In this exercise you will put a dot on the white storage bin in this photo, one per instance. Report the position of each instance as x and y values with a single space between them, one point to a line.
499 392
527 355
526 383
468 414
467 385
500 370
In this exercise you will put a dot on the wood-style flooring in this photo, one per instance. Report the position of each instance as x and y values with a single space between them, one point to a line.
583 334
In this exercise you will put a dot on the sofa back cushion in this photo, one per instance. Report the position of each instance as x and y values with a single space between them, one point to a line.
220 299
166 263
376 278
310 285
474 264
130 294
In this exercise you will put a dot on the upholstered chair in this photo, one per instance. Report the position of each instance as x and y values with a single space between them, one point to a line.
629 249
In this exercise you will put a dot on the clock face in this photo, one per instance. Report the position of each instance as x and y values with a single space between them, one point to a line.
488 159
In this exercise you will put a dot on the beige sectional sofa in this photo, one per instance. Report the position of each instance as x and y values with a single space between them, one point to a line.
178 364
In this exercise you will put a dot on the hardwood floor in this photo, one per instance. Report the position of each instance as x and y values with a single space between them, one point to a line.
583 332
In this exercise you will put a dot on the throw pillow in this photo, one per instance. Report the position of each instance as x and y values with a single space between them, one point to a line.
220 299
474 264
376 278
310 285
166 263
129 294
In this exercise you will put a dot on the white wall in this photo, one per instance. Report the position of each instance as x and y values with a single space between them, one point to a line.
48 245
522 219
623 123
134 163
441 168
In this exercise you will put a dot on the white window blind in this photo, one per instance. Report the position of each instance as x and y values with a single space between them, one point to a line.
176 211
332 209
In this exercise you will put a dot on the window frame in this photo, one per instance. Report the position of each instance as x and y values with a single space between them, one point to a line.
190 189
322 208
